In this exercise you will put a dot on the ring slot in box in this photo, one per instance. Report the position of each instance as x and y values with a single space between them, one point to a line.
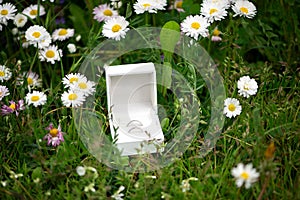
132 102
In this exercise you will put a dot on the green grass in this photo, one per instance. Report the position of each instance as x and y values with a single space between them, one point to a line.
268 53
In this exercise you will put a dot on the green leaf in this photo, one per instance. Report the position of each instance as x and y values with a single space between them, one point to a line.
167 74
128 11
37 173
165 123
169 36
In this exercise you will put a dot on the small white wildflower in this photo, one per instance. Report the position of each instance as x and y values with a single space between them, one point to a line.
36 98
244 8
118 195
232 107
71 47
80 170
4 183
185 185
90 187
14 31
14 175
194 26
20 20
247 86
244 174
78 37
115 28
37 180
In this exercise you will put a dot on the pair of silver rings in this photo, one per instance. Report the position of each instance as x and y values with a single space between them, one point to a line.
136 125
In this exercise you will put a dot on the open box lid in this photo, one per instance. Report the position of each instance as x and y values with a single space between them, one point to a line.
132 103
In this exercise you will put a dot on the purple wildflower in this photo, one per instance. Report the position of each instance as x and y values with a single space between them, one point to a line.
55 135
13 107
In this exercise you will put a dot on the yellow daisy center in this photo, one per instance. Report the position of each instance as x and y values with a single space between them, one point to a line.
178 4
195 25
33 12
216 32
107 12
13 106
50 54
244 10
62 32
231 107
1 93
36 34
72 97
146 5
116 28
29 81
73 79
82 85
245 175
35 98
2 73
246 86
4 12
212 11
20 20
53 132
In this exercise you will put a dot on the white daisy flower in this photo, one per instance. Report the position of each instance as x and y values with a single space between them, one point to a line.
70 79
194 26
20 20
71 48
83 85
50 54
232 107
104 12
244 8
36 98
34 10
32 79
247 86
62 34
244 174
72 98
36 34
7 12
115 28
224 3
213 11
3 92
142 6
5 73
44 42
160 4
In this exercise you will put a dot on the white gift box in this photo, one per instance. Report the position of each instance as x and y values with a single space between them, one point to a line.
132 104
